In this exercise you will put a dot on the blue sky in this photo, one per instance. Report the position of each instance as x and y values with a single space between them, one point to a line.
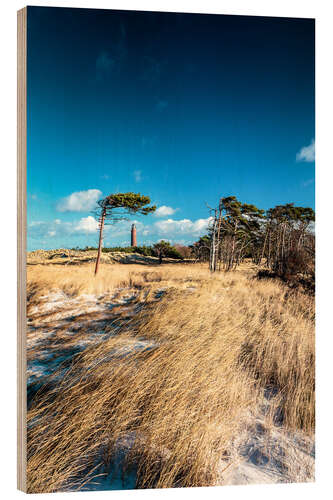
182 108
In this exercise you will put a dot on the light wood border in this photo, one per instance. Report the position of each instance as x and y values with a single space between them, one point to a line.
21 246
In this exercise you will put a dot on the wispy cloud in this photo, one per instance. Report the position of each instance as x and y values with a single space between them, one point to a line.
148 142
137 175
109 60
37 230
104 64
307 153
161 105
164 211
80 201
43 229
152 69
307 183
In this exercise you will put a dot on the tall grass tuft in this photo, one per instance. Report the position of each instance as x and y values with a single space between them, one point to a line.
171 388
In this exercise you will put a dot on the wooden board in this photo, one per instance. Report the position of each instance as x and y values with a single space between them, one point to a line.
21 246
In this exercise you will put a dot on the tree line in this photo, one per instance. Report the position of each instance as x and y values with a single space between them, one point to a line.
281 238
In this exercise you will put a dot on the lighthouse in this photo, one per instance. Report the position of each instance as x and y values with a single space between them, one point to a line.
133 236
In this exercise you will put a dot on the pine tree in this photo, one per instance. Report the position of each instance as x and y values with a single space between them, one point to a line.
117 207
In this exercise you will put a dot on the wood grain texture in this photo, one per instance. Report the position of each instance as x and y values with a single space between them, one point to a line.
21 246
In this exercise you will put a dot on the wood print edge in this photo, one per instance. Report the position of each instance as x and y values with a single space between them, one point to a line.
21 245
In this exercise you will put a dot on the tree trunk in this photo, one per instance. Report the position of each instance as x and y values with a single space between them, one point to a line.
212 263
233 247
263 248
268 263
101 226
217 252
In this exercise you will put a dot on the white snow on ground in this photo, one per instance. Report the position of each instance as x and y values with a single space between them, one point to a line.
57 321
58 306
262 453
113 477
268 453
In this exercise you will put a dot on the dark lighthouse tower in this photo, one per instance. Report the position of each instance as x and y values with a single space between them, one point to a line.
133 236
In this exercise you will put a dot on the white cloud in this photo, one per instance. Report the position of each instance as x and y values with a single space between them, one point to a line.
87 225
164 211
137 175
38 230
80 201
307 153
184 226
84 231
63 230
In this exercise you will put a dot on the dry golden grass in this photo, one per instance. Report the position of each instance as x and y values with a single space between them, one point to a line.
81 279
213 344
78 280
